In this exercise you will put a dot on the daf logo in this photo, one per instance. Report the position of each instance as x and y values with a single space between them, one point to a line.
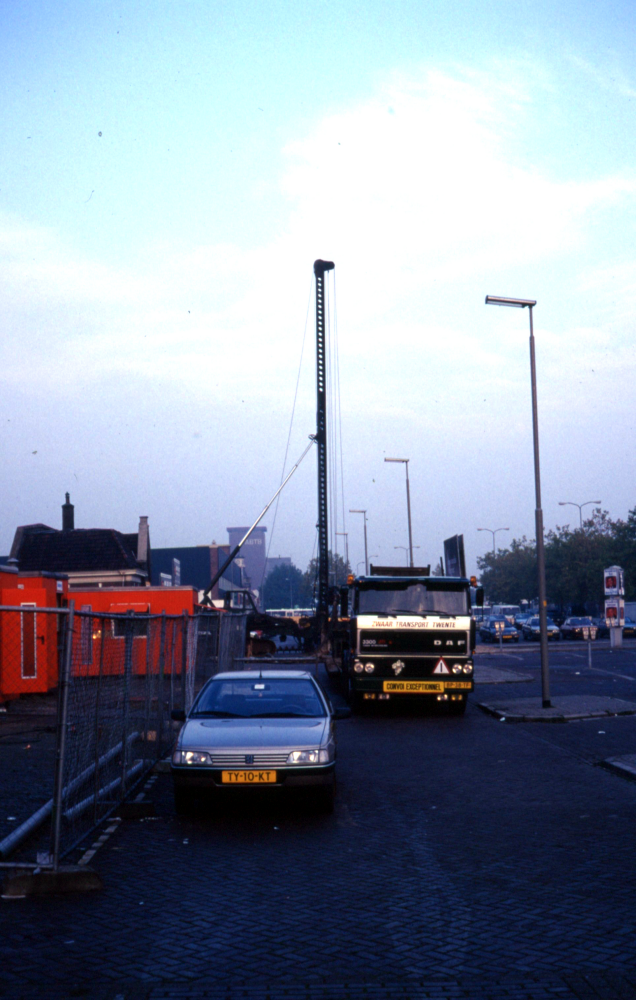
397 667
249 758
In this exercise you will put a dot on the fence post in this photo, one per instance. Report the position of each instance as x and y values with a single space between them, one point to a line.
184 657
162 657
128 657
60 749
102 622
149 684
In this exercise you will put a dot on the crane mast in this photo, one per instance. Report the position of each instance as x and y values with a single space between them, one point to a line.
320 266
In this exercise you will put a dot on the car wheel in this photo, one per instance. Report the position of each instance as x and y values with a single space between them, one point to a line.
183 801
325 798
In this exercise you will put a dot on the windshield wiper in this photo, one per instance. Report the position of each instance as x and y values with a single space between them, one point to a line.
284 715
219 715
418 614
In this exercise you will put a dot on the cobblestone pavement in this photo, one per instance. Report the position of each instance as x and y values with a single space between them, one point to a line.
466 858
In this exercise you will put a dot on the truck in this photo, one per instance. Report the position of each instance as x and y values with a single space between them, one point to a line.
410 635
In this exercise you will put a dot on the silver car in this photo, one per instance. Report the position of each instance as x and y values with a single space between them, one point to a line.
247 730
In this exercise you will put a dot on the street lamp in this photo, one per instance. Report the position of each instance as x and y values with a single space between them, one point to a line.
493 533
346 538
570 503
366 557
406 549
529 304
405 461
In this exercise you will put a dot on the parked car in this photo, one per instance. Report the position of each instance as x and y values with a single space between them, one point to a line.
629 629
532 629
520 620
269 729
576 628
494 627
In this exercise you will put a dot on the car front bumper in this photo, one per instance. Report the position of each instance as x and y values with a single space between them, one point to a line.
210 778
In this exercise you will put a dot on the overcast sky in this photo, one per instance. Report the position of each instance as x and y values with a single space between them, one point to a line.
170 171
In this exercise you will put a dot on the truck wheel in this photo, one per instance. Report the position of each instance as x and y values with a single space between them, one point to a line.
357 702
457 707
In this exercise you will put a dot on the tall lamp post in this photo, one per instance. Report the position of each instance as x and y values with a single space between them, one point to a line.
529 304
493 532
405 461
406 550
346 538
570 503
366 555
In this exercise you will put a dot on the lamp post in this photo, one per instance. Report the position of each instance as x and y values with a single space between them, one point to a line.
366 556
529 304
493 532
570 503
346 538
405 549
405 461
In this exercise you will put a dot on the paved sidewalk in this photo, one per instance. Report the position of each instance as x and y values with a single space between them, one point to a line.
563 708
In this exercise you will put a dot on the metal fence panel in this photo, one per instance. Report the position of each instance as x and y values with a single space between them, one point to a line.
124 675
232 636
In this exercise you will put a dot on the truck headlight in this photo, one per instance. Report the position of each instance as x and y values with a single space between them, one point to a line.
357 666
190 757
457 668
468 668
369 667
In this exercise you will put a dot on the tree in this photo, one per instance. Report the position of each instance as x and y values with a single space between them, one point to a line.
510 575
338 572
574 560
285 587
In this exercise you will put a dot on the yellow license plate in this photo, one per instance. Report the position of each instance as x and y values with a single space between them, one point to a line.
455 685
413 687
248 777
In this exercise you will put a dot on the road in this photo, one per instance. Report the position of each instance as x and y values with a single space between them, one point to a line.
466 858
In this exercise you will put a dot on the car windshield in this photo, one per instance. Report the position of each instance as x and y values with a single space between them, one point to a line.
263 698
408 597
579 621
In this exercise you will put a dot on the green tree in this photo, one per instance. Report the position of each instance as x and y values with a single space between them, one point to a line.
510 575
285 587
338 572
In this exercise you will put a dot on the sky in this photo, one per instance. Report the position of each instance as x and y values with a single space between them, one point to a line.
169 173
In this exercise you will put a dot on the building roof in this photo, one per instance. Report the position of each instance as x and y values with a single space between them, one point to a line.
38 547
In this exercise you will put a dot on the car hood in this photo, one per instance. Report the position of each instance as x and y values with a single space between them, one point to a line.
230 734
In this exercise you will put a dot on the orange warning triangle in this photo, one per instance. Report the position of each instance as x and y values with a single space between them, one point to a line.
441 668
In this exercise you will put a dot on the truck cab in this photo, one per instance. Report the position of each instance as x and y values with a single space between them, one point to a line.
410 635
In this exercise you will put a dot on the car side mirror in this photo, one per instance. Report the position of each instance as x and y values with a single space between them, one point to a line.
178 715
341 712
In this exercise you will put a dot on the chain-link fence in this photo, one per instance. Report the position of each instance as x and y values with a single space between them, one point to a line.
103 686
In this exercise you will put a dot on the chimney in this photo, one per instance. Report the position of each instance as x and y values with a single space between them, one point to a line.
143 541
68 515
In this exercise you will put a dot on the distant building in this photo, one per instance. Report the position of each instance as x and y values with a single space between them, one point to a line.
253 552
198 564
90 557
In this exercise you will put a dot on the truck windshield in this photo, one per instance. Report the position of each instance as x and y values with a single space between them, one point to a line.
411 598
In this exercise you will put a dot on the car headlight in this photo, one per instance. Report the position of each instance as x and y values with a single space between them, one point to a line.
309 757
190 757
369 667
357 666
457 668
468 668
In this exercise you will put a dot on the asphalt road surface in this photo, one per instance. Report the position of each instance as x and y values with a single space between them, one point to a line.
466 858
